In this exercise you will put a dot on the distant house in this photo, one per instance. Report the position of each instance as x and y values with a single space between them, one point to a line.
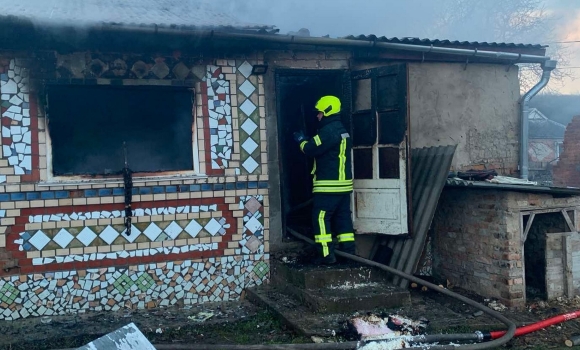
545 145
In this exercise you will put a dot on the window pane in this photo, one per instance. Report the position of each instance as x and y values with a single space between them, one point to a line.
392 127
389 163
364 129
388 92
363 163
361 94
88 125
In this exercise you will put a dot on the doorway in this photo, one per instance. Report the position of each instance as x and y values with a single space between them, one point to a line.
297 93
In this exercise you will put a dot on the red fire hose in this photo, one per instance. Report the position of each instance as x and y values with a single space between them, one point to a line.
535 326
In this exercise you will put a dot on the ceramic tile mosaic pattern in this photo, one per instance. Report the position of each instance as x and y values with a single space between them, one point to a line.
249 119
16 121
133 287
193 239
220 117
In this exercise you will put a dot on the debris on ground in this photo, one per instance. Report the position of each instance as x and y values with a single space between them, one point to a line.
497 306
124 338
201 317
386 345
354 285
374 327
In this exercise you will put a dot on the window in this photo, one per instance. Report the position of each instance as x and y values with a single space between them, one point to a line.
88 125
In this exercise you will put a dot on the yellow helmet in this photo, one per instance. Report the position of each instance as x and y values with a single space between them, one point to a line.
328 105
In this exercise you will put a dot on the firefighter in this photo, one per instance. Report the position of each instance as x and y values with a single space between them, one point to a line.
332 183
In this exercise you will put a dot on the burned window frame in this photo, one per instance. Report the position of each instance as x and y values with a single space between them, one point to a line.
400 108
196 127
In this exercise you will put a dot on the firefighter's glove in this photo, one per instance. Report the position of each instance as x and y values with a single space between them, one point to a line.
299 136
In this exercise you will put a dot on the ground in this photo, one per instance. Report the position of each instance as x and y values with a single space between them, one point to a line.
244 323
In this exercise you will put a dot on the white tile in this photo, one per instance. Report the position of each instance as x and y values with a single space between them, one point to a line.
248 107
253 225
245 68
247 88
63 238
152 231
193 228
250 165
39 240
213 227
109 234
249 126
135 232
249 145
173 230
86 236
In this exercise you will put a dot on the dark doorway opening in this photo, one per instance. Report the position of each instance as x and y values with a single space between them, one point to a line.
297 93
535 252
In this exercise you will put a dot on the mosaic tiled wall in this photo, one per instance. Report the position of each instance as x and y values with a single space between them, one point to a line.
64 247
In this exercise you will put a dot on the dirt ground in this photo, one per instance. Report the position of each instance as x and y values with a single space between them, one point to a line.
243 323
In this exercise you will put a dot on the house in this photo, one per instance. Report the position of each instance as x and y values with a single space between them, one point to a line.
545 145
147 157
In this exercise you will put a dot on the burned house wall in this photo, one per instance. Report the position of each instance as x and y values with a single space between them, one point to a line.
567 172
195 238
477 243
473 106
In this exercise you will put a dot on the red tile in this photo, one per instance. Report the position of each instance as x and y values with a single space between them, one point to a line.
26 270
6 121
6 141
217 73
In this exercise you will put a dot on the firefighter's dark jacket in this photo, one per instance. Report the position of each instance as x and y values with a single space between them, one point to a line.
331 149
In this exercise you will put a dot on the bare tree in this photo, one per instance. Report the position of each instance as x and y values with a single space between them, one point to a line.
524 21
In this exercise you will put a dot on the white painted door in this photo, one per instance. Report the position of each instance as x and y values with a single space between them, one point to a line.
379 127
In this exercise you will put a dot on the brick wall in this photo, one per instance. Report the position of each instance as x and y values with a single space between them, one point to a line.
474 248
555 281
567 171
196 238
477 239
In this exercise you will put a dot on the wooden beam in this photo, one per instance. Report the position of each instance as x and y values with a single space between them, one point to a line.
567 263
528 226
568 220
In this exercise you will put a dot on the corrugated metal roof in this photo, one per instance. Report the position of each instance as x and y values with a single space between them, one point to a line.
162 13
429 171
456 182
438 42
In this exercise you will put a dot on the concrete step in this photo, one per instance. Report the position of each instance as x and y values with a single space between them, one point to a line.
347 297
295 314
315 277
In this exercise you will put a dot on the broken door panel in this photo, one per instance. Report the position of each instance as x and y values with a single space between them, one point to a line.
379 127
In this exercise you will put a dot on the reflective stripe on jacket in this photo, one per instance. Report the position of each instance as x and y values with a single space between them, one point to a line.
331 149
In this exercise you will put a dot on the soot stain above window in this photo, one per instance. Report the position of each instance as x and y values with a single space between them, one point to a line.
88 125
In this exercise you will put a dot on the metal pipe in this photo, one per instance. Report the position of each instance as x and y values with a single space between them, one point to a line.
547 67
488 345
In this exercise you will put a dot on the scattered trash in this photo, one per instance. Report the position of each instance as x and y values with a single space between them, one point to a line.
317 340
159 331
351 285
45 319
478 313
127 314
497 306
201 317
386 345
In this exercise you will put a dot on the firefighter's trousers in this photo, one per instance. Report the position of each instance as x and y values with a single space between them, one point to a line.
331 215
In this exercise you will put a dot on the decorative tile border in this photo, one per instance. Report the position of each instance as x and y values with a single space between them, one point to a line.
126 254
220 117
106 192
249 120
95 236
141 286
252 235
117 213
16 121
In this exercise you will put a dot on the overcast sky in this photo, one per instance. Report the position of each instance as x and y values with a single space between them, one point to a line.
406 18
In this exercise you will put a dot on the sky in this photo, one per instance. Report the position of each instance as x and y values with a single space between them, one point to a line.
419 18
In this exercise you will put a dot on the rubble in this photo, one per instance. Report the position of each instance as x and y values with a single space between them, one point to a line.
373 327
